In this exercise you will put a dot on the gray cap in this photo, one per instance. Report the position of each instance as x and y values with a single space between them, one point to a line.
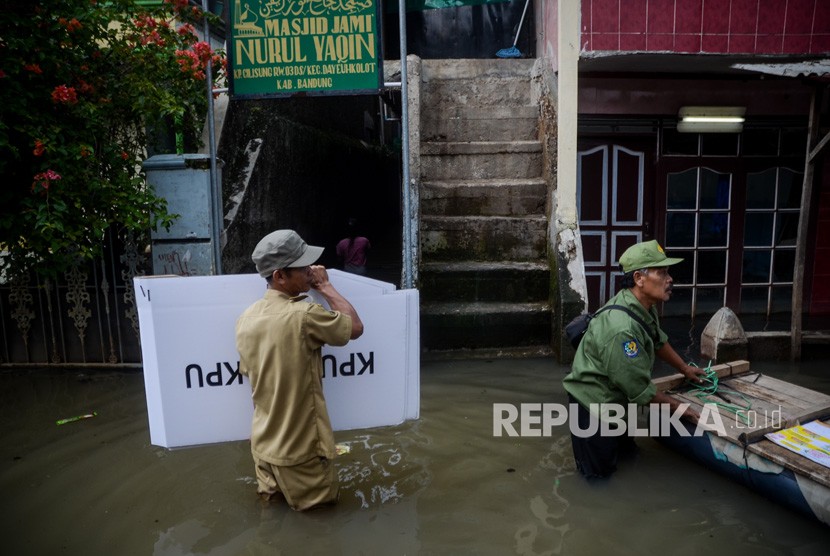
283 249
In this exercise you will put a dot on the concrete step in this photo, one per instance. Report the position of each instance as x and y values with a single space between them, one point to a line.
474 281
476 82
481 160
484 238
454 68
491 197
447 326
477 91
477 123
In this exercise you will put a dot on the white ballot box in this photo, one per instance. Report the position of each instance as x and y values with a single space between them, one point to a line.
195 392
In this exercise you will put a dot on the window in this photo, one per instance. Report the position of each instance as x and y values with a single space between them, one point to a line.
773 200
697 229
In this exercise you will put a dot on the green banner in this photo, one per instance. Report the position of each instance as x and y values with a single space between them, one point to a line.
421 5
285 47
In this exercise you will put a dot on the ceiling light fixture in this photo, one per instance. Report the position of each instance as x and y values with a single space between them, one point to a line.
711 119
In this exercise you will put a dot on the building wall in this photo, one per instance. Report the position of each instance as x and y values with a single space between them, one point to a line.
707 26
820 302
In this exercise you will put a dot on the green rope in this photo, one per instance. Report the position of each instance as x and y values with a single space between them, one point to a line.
709 387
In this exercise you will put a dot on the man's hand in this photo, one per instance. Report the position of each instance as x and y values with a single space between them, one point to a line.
319 280
692 373
319 276
691 415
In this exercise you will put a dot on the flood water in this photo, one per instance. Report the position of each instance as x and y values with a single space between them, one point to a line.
440 485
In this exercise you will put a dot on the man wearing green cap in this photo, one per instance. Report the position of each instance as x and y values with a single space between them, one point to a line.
614 360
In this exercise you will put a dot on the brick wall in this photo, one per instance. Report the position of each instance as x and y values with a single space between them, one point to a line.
707 26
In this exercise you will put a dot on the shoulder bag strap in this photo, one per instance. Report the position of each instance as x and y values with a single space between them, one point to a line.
633 315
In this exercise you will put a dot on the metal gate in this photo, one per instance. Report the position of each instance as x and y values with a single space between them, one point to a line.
87 318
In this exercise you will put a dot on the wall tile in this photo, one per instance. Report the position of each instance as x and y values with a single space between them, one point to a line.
769 44
716 44
660 16
632 42
771 16
821 21
658 42
743 16
586 16
687 43
820 44
601 41
742 44
821 263
796 44
687 16
633 16
715 16
586 44
605 16
800 16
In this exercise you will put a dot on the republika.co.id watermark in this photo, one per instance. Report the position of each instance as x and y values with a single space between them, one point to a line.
611 419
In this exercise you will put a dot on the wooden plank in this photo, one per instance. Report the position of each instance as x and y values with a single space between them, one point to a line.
796 463
723 370
732 427
805 396
820 411
801 237
771 397
763 408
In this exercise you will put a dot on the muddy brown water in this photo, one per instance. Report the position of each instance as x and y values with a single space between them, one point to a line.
440 485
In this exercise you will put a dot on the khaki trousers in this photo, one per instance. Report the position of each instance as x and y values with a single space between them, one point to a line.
303 486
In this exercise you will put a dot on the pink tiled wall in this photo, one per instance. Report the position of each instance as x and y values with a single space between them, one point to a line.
707 26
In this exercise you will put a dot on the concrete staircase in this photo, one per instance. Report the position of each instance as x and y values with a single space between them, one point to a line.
484 272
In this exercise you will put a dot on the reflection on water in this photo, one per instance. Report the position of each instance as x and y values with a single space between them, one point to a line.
440 485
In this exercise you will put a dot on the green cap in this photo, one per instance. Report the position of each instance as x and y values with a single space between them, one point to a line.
647 254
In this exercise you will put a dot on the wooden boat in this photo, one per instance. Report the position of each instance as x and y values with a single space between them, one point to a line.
744 452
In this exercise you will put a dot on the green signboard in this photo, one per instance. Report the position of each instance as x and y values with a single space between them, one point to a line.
287 47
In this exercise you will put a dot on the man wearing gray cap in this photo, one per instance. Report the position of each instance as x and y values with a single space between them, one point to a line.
614 360
279 339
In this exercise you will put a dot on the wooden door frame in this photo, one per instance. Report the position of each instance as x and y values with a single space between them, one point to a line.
647 144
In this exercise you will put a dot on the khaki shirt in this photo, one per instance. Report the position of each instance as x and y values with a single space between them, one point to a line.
613 363
279 339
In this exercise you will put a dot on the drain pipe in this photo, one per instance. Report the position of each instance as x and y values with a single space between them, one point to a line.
408 270
215 187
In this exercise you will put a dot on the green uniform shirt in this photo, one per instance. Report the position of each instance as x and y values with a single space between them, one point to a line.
279 339
613 363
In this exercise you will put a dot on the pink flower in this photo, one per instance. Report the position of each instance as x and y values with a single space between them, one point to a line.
187 30
203 51
152 37
40 148
71 25
145 21
34 68
64 95
44 180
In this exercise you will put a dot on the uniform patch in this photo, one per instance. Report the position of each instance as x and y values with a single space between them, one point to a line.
631 348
